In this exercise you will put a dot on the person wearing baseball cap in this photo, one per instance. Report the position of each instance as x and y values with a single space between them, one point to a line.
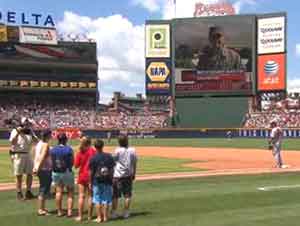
22 139
216 56
275 142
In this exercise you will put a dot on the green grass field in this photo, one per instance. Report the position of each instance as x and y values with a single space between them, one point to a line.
214 201
150 165
147 165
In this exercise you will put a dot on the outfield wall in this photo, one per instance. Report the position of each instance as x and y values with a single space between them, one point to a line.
180 133
211 112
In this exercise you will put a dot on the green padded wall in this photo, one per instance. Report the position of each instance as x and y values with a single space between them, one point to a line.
211 112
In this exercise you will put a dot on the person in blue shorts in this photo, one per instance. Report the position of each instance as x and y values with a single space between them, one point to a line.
101 168
62 175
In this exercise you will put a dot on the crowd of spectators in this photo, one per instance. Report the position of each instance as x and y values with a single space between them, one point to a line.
133 121
78 114
286 112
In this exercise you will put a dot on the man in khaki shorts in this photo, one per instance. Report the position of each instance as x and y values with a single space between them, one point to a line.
21 139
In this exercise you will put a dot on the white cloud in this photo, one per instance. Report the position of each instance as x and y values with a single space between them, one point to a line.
120 50
293 85
298 49
238 5
150 5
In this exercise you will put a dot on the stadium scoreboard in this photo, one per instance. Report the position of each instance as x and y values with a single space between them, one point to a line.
234 55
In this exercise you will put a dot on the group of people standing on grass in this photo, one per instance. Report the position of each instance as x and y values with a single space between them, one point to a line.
103 178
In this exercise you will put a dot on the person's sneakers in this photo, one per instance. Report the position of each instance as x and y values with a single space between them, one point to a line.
20 196
126 214
29 195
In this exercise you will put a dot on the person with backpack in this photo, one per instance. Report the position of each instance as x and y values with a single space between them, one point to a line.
101 168
62 175
82 160
124 175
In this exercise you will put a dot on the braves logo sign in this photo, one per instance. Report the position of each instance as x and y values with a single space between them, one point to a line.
217 9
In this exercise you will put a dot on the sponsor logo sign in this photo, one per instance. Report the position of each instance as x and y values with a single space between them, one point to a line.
158 71
158 41
38 36
3 33
271 35
13 33
216 9
72 133
37 19
158 76
271 72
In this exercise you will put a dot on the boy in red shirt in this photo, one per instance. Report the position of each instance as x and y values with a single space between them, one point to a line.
82 159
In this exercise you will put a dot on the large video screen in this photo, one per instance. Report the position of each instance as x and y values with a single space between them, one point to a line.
214 55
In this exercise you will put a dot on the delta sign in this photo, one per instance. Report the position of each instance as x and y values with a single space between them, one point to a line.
34 19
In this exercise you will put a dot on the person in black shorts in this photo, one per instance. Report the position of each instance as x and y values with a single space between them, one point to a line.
124 175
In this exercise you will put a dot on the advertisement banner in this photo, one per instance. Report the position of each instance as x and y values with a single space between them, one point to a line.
38 36
271 72
158 41
63 52
72 133
158 77
3 33
191 82
271 35
13 33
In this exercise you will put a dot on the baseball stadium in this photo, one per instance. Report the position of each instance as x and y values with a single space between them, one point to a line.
214 86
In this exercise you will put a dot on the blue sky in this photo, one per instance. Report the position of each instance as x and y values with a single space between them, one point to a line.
118 27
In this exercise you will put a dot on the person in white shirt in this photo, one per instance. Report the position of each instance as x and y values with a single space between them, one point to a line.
21 139
275 143
43 169
124 175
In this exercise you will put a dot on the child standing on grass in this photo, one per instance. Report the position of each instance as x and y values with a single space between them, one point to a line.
82 160
101 167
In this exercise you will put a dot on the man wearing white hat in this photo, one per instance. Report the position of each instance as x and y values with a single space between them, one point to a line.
275 143
21 139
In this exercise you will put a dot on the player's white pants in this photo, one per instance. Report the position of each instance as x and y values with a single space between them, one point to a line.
277 155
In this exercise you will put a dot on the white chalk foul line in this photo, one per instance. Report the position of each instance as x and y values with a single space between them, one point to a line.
270 188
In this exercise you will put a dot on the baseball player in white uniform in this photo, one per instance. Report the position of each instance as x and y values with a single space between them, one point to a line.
275 143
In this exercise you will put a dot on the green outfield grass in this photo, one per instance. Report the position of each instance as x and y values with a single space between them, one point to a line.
146 165
288 144
214 201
